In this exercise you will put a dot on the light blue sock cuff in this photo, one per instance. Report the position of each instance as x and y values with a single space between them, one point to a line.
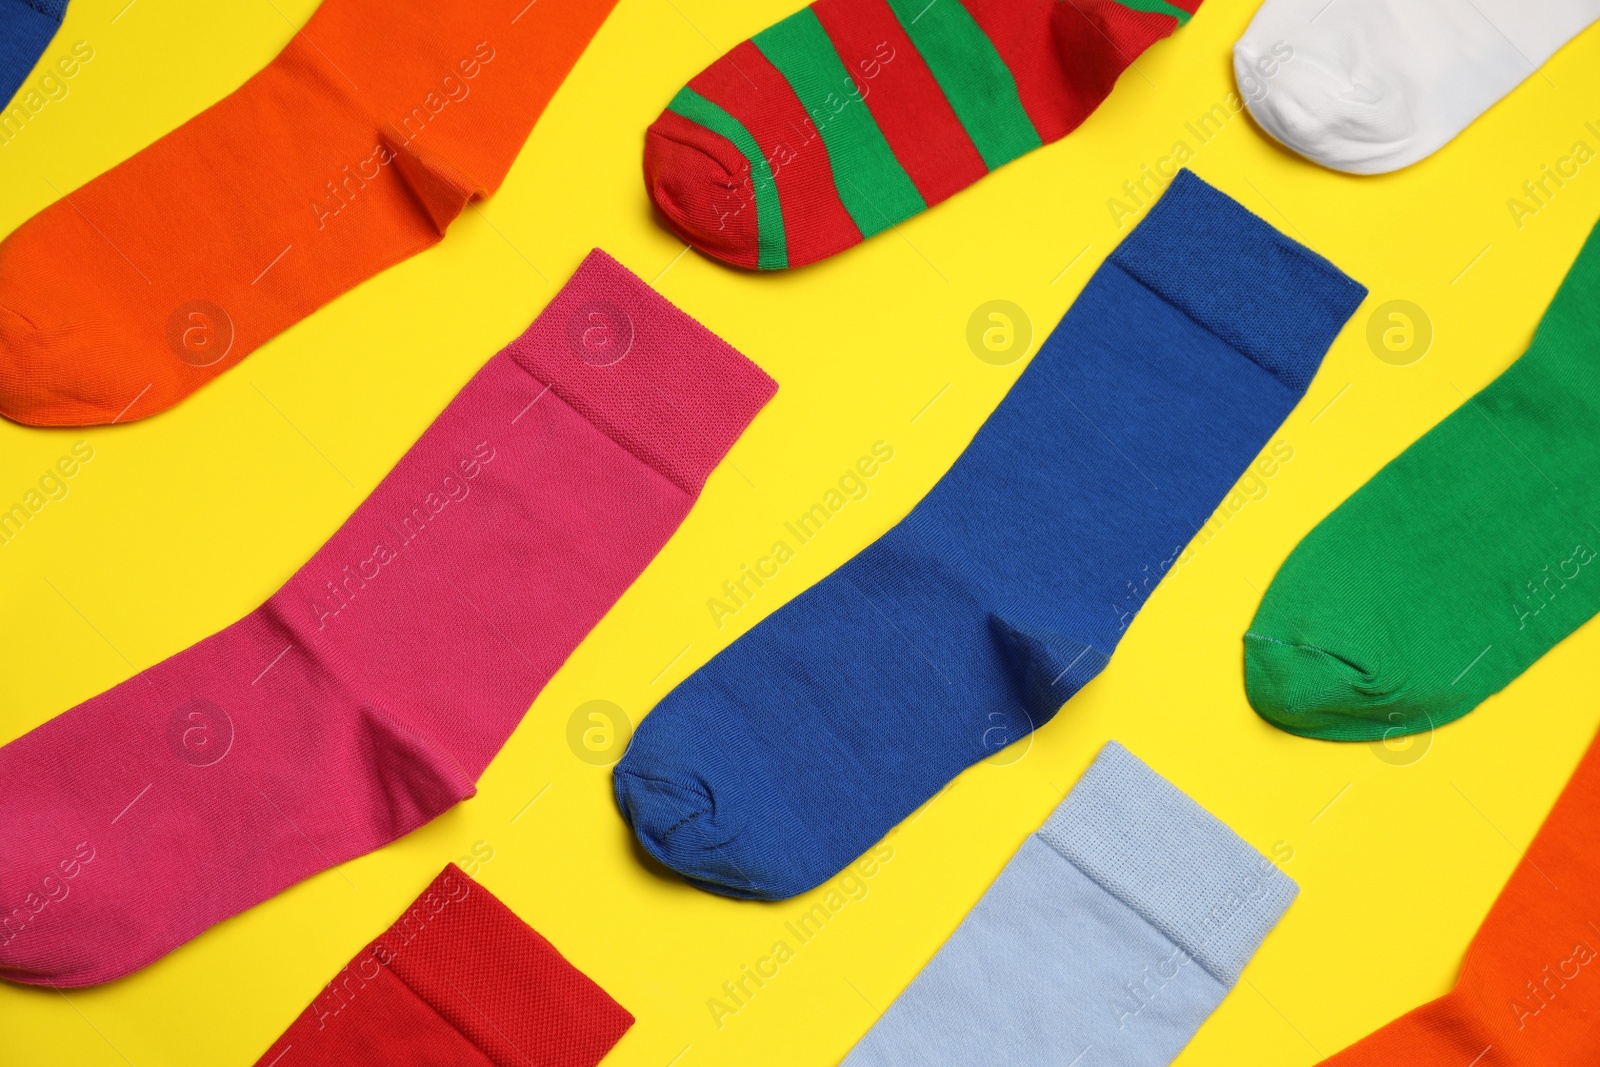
1146 843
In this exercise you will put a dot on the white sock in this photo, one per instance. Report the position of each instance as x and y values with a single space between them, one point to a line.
1369 86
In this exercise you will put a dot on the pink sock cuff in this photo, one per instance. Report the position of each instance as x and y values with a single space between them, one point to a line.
649 376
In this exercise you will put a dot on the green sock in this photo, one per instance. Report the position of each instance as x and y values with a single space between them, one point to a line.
1460 563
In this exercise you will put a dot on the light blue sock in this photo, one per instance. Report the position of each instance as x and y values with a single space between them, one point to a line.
1108 939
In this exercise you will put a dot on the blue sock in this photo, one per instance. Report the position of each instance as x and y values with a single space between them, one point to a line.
1113 933
1006 589
26 27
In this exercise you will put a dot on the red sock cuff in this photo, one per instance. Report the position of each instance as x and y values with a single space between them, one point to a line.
480 987
493 978
652 378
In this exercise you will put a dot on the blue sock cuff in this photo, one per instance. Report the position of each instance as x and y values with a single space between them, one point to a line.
1171 861
1272 298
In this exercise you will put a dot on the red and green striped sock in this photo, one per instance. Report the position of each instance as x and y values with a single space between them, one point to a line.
852 115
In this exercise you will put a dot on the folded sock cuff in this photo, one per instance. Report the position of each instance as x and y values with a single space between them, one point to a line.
652 378
1270 297
1169 860
495 980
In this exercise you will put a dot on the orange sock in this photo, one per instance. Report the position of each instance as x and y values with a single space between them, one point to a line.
1529 991
349 152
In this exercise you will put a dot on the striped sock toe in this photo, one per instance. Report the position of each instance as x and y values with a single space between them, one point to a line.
850 116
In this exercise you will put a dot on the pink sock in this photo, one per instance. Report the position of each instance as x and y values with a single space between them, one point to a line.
368 694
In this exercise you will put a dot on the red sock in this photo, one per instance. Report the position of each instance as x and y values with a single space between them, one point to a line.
851 115
457 981
1529 991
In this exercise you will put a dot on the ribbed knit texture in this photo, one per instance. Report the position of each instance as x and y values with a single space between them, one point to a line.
1527 995
1460 563
26 28
1108 939
457 980
369 693
1006 589
852 115
1168 859
351 151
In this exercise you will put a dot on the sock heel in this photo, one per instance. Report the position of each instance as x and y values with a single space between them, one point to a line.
442 191
1047 667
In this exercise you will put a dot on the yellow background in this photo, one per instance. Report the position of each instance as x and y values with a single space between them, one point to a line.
186 521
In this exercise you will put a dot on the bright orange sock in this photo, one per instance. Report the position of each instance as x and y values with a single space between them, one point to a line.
349 152
1529 991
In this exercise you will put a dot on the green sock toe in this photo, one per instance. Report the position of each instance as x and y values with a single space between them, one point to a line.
1461 562
1313 692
